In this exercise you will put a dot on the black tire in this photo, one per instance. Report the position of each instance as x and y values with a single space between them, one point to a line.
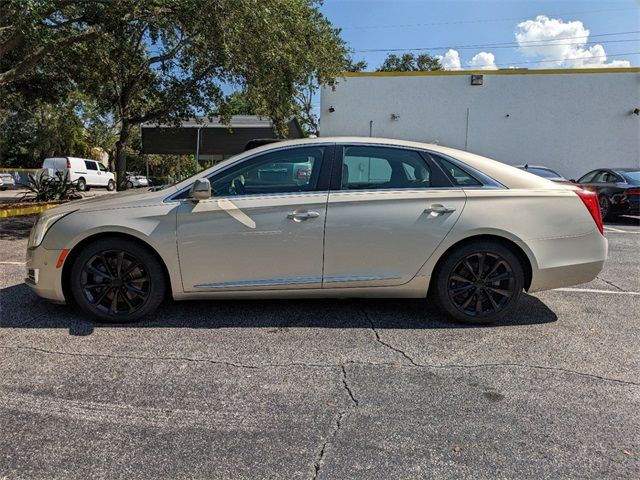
111 186
129 185
130 273
82 185
605 207
469 295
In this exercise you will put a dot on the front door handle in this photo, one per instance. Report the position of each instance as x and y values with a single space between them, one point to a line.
301 216
439 209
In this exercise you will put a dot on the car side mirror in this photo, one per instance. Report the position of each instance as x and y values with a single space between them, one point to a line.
573 180
200 190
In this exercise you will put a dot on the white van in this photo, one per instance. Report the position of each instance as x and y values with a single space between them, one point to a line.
88 173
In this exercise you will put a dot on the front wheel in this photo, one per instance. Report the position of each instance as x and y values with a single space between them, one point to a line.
117 280
480 282
605 207
129 185
111 186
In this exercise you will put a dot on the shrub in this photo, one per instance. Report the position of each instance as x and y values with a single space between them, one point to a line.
43 188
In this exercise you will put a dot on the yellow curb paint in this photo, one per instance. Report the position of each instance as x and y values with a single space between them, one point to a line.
17 212
9 170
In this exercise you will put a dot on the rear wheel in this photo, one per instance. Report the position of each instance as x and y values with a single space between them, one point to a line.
82 184
117 280
479 282
605 207
129 185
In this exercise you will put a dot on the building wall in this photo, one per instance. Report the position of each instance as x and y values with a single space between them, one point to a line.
572 122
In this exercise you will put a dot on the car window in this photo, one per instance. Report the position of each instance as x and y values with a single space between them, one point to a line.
282 171
601 177
365 167
458 175
631 177
102 167
588 178
90 165
543 172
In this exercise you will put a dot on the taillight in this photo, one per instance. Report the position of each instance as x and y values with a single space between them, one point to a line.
590 200
68 163
632 191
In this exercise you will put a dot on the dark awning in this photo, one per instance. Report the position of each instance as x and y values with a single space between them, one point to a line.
215 137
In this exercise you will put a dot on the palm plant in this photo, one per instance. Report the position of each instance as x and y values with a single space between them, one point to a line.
43 188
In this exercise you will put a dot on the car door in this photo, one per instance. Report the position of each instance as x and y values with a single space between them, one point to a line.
390 210
262 228
92 176
103 173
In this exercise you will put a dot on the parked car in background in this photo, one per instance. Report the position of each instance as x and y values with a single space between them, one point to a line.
135 180
612 186
373 218
6 181
85 172
544 172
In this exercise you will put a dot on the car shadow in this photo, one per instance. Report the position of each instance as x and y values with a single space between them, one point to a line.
24 310
624 220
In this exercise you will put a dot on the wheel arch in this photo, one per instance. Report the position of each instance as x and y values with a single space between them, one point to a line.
77 248
525 258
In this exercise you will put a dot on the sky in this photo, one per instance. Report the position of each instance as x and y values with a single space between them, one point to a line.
464 33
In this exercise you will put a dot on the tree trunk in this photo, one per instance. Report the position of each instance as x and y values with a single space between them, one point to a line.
121 156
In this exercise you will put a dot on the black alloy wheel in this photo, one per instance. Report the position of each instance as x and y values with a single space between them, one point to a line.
479 283
605 206
117 280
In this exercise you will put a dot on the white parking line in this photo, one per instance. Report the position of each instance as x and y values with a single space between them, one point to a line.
616 230
591 290
13 263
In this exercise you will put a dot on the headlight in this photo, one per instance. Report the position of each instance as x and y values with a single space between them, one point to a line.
42 225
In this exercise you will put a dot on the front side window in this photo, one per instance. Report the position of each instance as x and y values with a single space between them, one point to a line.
588 178
284 171
90 165
102 167
365 167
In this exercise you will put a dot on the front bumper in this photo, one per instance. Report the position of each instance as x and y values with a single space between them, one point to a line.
42 275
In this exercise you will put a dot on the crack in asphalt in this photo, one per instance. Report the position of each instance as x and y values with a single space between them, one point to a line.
320 458
382 342
326 365
610 284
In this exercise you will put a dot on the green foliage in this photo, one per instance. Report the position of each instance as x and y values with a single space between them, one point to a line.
408 62
42 188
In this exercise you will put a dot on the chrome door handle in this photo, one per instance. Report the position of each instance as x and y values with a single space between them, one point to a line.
302 216
439 209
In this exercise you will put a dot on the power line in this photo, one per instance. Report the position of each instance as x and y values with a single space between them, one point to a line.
489 20
530 43
551 60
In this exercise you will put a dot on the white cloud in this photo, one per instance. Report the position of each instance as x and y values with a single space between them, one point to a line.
561 48
450 60
483 61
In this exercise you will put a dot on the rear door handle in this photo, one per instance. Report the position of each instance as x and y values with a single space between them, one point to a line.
439 209
302 216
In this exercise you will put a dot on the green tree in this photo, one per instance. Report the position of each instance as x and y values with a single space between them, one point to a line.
408 62
167 60
33 32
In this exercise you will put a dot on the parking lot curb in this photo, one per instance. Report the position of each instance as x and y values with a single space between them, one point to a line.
17 212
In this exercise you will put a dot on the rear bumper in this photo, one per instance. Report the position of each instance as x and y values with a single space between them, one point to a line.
567 261
42 275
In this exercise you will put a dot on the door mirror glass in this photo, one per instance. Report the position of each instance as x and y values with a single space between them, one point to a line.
201 189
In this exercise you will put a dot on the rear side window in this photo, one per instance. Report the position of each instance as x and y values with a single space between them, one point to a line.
90 165
458 175
372 167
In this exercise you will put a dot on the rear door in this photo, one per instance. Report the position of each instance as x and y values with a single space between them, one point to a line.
390 209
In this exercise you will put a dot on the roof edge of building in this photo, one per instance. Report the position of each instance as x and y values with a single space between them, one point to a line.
506 71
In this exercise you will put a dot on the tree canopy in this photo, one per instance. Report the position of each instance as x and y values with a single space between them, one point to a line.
409 62
162 61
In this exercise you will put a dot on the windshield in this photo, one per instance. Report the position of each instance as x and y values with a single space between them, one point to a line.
543 172
631 177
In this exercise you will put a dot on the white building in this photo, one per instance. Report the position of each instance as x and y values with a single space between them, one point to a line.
570 120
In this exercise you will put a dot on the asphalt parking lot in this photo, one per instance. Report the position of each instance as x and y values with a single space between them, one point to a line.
324 389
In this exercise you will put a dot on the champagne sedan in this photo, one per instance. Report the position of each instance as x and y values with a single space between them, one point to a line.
369 218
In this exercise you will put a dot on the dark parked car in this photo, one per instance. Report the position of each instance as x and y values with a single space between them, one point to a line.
544 172
615 187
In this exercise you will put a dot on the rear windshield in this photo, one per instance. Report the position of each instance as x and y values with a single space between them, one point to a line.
543 172
631 177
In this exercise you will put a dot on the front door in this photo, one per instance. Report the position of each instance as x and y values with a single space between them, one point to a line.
392 209
262 228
